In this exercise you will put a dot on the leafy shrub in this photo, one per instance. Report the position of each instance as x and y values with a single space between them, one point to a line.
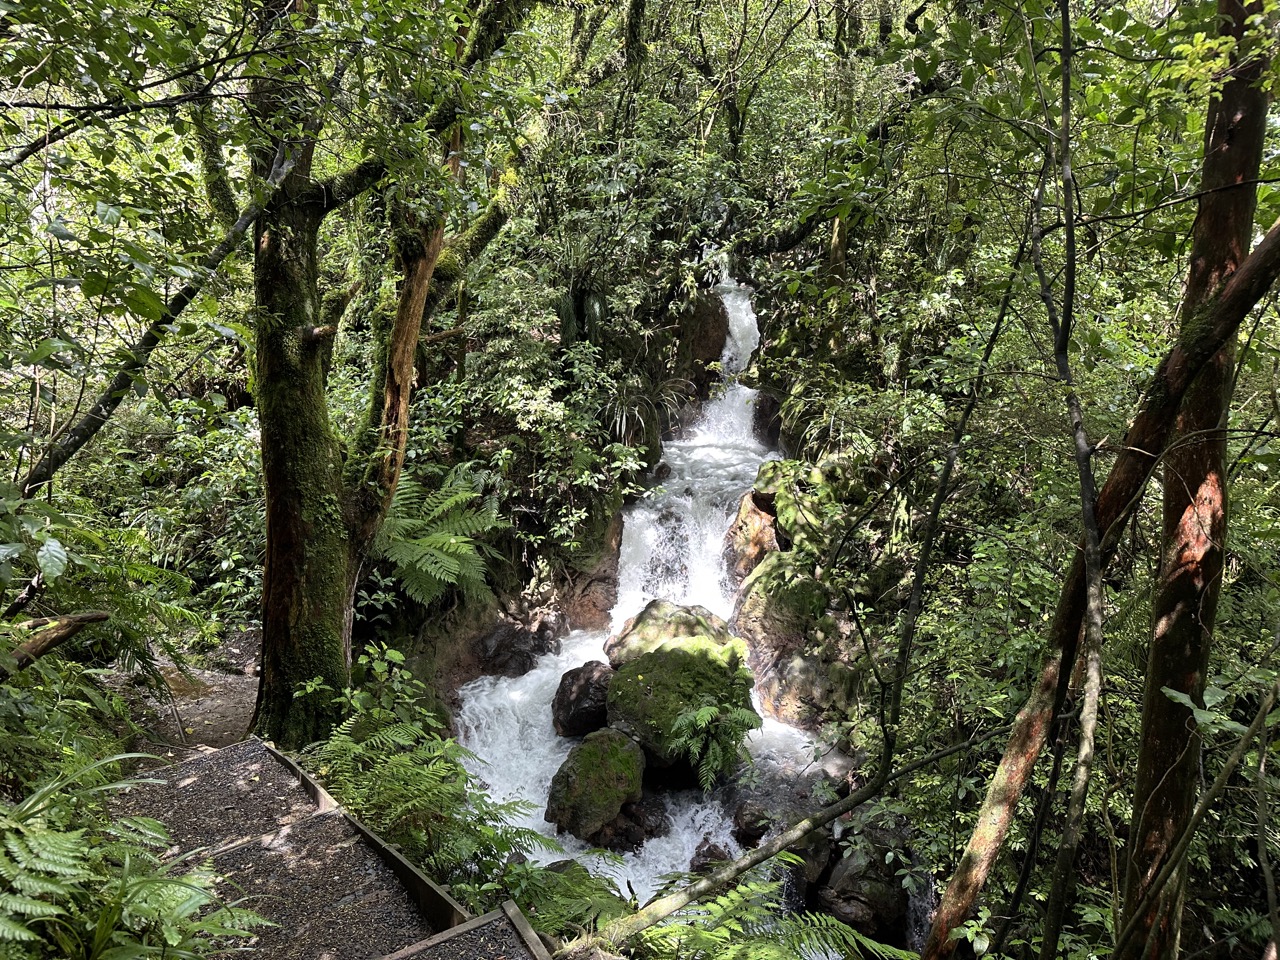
388 765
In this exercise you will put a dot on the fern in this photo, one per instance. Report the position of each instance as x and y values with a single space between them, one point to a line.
387 764
712 738
750 922
433 538
77 887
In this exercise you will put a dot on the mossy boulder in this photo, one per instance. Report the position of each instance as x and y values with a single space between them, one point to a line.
663 622
600 774
649 693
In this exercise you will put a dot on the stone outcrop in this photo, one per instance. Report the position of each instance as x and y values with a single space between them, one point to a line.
708 856
589 597
513 646
752 536
776 608
635 823
662 622
600 775
864 891
579 704
703 330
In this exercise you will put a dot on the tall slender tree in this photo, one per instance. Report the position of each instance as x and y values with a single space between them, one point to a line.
1195 502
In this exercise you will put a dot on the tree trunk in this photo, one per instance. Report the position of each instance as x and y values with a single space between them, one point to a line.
1205 330
47 635
304 587
1195 513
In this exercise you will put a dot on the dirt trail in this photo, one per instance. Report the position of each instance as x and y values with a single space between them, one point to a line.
212 707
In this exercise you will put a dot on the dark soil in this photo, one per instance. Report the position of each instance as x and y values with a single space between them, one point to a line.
330 895
221 798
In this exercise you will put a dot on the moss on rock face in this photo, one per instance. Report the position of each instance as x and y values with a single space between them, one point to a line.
664 622
600 774
650 693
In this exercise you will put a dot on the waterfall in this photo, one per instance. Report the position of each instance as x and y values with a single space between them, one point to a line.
671 549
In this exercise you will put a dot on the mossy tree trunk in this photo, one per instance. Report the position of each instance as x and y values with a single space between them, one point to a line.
304 591
323 514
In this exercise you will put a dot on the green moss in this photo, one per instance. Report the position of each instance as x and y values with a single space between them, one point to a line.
664 622
648 694
596 779
785 584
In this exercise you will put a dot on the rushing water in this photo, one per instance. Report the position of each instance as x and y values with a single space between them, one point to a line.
671 549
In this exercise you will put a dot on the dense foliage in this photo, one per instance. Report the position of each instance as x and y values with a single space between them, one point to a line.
559 185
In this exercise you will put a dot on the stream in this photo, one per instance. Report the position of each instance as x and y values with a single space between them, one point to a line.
671 549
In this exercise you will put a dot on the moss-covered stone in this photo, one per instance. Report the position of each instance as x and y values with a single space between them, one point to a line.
663 622
649 693
600 774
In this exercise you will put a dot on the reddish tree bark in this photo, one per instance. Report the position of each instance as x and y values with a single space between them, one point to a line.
1208 325
1195 510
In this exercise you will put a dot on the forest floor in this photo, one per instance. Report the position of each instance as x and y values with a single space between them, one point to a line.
212 705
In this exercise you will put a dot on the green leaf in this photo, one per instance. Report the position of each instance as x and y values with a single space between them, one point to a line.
52 558
107 213
57 228
145 303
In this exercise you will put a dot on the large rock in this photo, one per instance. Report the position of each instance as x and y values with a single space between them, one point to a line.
777 610
512 647
752 536
662 622
707 856
579 704
702 331
590 594
635 823
649 693
600 774
864 891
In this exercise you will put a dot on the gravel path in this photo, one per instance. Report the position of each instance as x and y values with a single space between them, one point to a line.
495 940
221 798
329 893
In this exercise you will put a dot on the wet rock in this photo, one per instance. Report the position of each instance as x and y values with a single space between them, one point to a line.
782 792
703 330
768 419
777 608
636 823
650 693
599 776
864 892
590 595
662 622
751 537
579 704
512 647
708 855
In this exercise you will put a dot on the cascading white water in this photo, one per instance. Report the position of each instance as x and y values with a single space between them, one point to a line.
671 549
